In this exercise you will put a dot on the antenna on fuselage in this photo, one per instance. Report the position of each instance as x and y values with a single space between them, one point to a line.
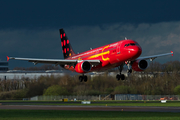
90 48
125 38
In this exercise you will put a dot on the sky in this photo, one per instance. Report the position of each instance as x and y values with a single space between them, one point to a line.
30 28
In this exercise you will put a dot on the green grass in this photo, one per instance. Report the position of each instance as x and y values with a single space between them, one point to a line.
101 103
113 104
84 115
89 115
141 104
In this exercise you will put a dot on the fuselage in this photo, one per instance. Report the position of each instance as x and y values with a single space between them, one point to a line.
111 55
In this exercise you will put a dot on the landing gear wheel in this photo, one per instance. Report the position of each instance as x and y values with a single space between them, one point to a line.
118 77
129 71
85 78
80 78
122 76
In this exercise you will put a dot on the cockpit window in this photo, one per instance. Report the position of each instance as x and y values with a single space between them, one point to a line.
130 44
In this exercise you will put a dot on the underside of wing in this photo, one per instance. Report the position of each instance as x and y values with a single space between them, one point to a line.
55 61
155 56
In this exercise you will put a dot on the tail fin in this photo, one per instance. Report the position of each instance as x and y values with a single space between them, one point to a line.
66 46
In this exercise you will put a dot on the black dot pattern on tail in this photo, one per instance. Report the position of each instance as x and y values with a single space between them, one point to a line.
66 46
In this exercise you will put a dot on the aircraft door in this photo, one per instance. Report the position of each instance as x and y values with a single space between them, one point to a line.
118 48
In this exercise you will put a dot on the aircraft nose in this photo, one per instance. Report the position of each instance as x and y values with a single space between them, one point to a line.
139 49
136 51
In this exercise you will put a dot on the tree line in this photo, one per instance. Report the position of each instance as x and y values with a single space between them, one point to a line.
159 83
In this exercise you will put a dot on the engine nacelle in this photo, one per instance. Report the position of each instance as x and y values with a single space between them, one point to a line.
83 67
139 65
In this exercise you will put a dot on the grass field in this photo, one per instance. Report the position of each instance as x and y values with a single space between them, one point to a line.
113 104
96 103
84 115
89 115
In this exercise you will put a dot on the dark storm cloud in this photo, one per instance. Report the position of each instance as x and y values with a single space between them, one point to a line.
28 42
67 13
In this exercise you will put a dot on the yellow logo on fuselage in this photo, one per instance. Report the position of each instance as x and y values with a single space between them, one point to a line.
101 54
105 59
79 58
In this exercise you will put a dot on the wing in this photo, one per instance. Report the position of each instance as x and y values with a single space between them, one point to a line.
54 61
154 56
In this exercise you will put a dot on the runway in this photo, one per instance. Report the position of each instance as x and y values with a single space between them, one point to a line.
92 108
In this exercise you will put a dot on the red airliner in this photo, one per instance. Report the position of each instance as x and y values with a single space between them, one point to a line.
99 59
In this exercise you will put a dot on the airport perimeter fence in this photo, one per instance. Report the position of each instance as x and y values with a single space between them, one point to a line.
146 97
70 98
108 97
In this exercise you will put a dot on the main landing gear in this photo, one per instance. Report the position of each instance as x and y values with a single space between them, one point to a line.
129 71
120 76
83 78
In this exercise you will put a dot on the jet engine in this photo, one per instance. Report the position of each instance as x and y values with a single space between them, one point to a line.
83 67
139 65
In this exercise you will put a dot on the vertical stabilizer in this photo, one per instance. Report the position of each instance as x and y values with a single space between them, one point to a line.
66 46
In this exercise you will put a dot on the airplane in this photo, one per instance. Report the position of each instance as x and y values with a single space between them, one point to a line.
106 57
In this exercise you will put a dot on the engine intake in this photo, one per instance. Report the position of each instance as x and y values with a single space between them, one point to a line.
83 67
139 65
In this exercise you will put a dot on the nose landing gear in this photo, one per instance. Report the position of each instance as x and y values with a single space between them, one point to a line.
128 63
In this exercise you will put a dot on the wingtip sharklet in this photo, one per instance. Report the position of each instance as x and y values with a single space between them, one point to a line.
7 58
172 53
